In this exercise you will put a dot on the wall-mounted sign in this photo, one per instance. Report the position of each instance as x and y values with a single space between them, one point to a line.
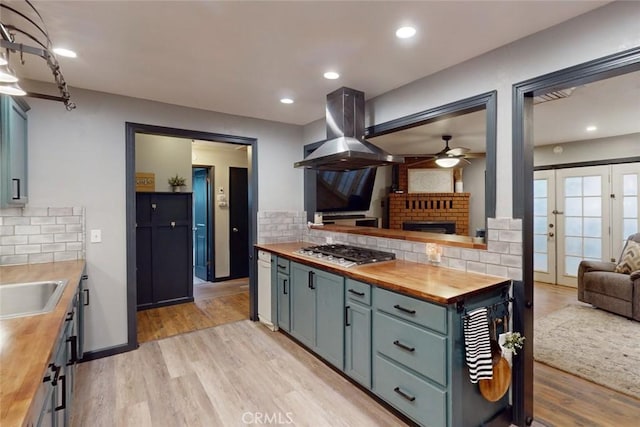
430 180
145 181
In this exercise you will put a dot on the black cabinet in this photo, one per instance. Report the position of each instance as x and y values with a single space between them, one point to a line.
164 249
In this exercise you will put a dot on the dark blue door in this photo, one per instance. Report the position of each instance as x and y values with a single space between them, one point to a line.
201 204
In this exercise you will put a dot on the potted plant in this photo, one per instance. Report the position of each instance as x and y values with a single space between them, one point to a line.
176 183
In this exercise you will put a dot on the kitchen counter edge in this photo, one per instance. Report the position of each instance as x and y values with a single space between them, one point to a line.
395 271
29 340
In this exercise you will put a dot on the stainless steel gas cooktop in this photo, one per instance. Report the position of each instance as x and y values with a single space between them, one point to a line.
346 255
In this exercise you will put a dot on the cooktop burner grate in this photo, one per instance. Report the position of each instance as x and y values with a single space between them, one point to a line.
353 253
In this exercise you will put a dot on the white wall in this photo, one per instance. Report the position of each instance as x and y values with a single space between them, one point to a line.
166 157
222 160
616 147
607 30
78 159
473 178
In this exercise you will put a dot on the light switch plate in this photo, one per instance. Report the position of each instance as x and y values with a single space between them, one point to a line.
96 236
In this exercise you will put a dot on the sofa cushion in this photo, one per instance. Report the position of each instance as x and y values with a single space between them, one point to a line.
630 259
613 284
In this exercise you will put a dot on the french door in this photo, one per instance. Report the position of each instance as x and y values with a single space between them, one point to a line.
582 214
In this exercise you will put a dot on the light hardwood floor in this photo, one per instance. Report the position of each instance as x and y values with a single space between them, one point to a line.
214 304
224 376
561 399
214 376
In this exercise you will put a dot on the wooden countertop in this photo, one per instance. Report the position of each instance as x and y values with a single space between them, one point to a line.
436 284
26 343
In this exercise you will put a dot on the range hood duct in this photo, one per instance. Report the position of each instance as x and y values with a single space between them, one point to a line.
345 147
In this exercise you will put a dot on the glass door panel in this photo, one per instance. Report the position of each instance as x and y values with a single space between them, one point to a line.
544 245
625 183
583 209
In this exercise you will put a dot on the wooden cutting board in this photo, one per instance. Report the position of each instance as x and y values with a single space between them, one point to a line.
495 388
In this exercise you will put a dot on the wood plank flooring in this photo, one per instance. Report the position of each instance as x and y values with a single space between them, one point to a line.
213 376
232 375
561 399
215 304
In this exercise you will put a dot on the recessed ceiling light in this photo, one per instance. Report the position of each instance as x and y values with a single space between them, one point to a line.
591 128
67 53
405 32
331 75
286 101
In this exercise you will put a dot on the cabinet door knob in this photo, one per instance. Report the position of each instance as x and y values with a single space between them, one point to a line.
235 230
173 224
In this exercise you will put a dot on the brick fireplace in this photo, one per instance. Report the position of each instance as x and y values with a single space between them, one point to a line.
453 207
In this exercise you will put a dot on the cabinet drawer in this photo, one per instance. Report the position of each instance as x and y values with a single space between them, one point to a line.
421 350
423 313
418 399
282 265
358 291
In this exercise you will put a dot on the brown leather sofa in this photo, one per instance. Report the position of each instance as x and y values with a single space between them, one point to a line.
601 286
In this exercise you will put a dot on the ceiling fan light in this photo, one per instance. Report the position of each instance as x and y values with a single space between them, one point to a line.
6 75
12 89
447 162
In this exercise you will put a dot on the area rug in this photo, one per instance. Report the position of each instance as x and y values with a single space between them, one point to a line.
593 344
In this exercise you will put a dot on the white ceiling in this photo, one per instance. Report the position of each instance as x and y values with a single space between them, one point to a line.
241 57
612 105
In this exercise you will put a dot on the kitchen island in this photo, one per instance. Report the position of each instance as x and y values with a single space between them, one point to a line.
28 343
394 327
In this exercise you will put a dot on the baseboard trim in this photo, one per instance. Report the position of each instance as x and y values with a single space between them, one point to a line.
111 351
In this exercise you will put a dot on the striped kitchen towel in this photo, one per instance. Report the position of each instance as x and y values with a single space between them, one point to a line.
477 345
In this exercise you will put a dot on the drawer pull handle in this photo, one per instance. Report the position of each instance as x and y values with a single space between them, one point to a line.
404 347
311 278
360 294
403 394
284 287
346 316
406 310
282 266
63 405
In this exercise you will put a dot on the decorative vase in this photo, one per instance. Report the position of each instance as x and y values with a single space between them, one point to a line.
177 189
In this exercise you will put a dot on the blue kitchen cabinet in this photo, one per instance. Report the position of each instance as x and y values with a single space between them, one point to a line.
281 280
418 359
357 338
317 311
13 152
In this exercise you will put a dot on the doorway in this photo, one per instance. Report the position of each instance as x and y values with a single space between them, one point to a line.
132 129
581 213
203 232
523 199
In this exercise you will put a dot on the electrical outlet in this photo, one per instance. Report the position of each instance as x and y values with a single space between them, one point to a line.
329 240
96 236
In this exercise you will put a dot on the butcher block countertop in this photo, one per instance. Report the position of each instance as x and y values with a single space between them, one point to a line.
26 343
436 284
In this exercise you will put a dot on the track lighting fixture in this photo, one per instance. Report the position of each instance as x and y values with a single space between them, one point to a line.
22 30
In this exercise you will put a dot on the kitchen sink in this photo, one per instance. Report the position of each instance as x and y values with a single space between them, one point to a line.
26 299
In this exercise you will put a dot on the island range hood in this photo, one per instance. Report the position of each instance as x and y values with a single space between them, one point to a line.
345 147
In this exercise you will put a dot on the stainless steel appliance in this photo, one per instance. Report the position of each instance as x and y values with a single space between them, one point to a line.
346 255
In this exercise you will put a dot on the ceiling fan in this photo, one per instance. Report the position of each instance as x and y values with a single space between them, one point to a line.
447 157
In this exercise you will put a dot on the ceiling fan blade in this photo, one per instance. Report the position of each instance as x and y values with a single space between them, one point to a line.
475 155
458 151
419 162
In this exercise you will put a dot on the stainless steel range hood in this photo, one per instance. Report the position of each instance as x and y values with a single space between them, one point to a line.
345 147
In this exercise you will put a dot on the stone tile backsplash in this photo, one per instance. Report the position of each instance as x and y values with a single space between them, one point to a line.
36 235
503 256
281 226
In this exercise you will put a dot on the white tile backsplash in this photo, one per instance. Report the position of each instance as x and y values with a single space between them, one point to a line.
36 235
503 256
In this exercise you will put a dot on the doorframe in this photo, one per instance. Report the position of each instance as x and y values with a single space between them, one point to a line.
522 195
211 219
131 129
